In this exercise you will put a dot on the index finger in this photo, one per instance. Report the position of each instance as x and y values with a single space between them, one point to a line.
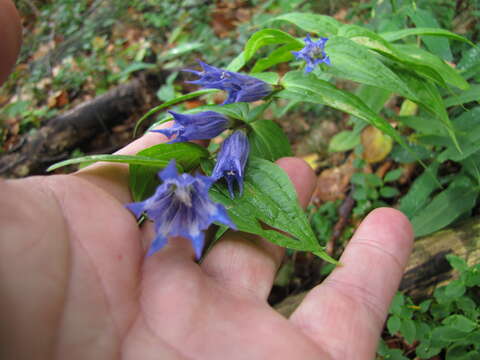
345 314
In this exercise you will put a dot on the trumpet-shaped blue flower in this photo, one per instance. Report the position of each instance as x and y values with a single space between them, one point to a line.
181 207
231 161
200 126
240 88
313 53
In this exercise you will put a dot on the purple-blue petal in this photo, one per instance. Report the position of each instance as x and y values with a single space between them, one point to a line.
137 208
169 172
240 88
231 161
181 206
313 53
158 243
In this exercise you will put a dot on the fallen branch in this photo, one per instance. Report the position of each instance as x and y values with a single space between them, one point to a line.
64 132
427 267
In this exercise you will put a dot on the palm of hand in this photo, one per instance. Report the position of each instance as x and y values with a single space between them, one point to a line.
78 286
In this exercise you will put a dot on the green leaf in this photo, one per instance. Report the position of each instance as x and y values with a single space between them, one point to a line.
268 141
343 141
393 324
420 191
460 323
455 289
170 103
446 207
426 351
268 77
393 175
397 303
457 262
472 94
144 180
400 34
424 125
438 46
467 306
268 37
374 97
354 62
388 192
375 42
237 63
423 331
408 330
461 352
447 334
269 208
429 97
472 277
308 88
277 56
469 65
126 159
314 23
422 57
425 305
444 303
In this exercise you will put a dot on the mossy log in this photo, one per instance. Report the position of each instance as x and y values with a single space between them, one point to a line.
68 130
427 267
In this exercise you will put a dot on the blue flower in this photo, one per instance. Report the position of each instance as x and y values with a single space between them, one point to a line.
181 207
231 161
201 126
313 53
240 88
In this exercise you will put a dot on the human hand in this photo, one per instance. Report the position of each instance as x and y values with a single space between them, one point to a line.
75 284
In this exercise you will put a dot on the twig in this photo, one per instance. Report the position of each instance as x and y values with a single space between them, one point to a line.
344 212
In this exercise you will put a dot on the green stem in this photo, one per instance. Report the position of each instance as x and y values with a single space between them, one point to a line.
393 3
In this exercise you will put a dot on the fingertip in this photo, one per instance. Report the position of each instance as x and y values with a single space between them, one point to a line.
301 175
392 225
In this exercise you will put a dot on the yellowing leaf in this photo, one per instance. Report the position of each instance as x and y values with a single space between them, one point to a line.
376 144
312 160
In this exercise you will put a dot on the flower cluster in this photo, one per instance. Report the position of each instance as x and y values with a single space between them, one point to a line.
240 88
181 207
313 53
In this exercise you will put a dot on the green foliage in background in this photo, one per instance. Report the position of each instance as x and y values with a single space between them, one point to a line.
447 324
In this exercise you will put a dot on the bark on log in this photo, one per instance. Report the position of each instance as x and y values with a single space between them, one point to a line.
66 131
427 267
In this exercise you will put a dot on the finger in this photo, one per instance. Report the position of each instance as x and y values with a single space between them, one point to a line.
11 35
114 177
346 313
247 264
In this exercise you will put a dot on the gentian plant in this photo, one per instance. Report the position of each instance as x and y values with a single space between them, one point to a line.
241 187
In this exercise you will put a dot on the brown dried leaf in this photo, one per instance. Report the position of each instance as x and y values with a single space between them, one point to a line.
332 184
58 99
